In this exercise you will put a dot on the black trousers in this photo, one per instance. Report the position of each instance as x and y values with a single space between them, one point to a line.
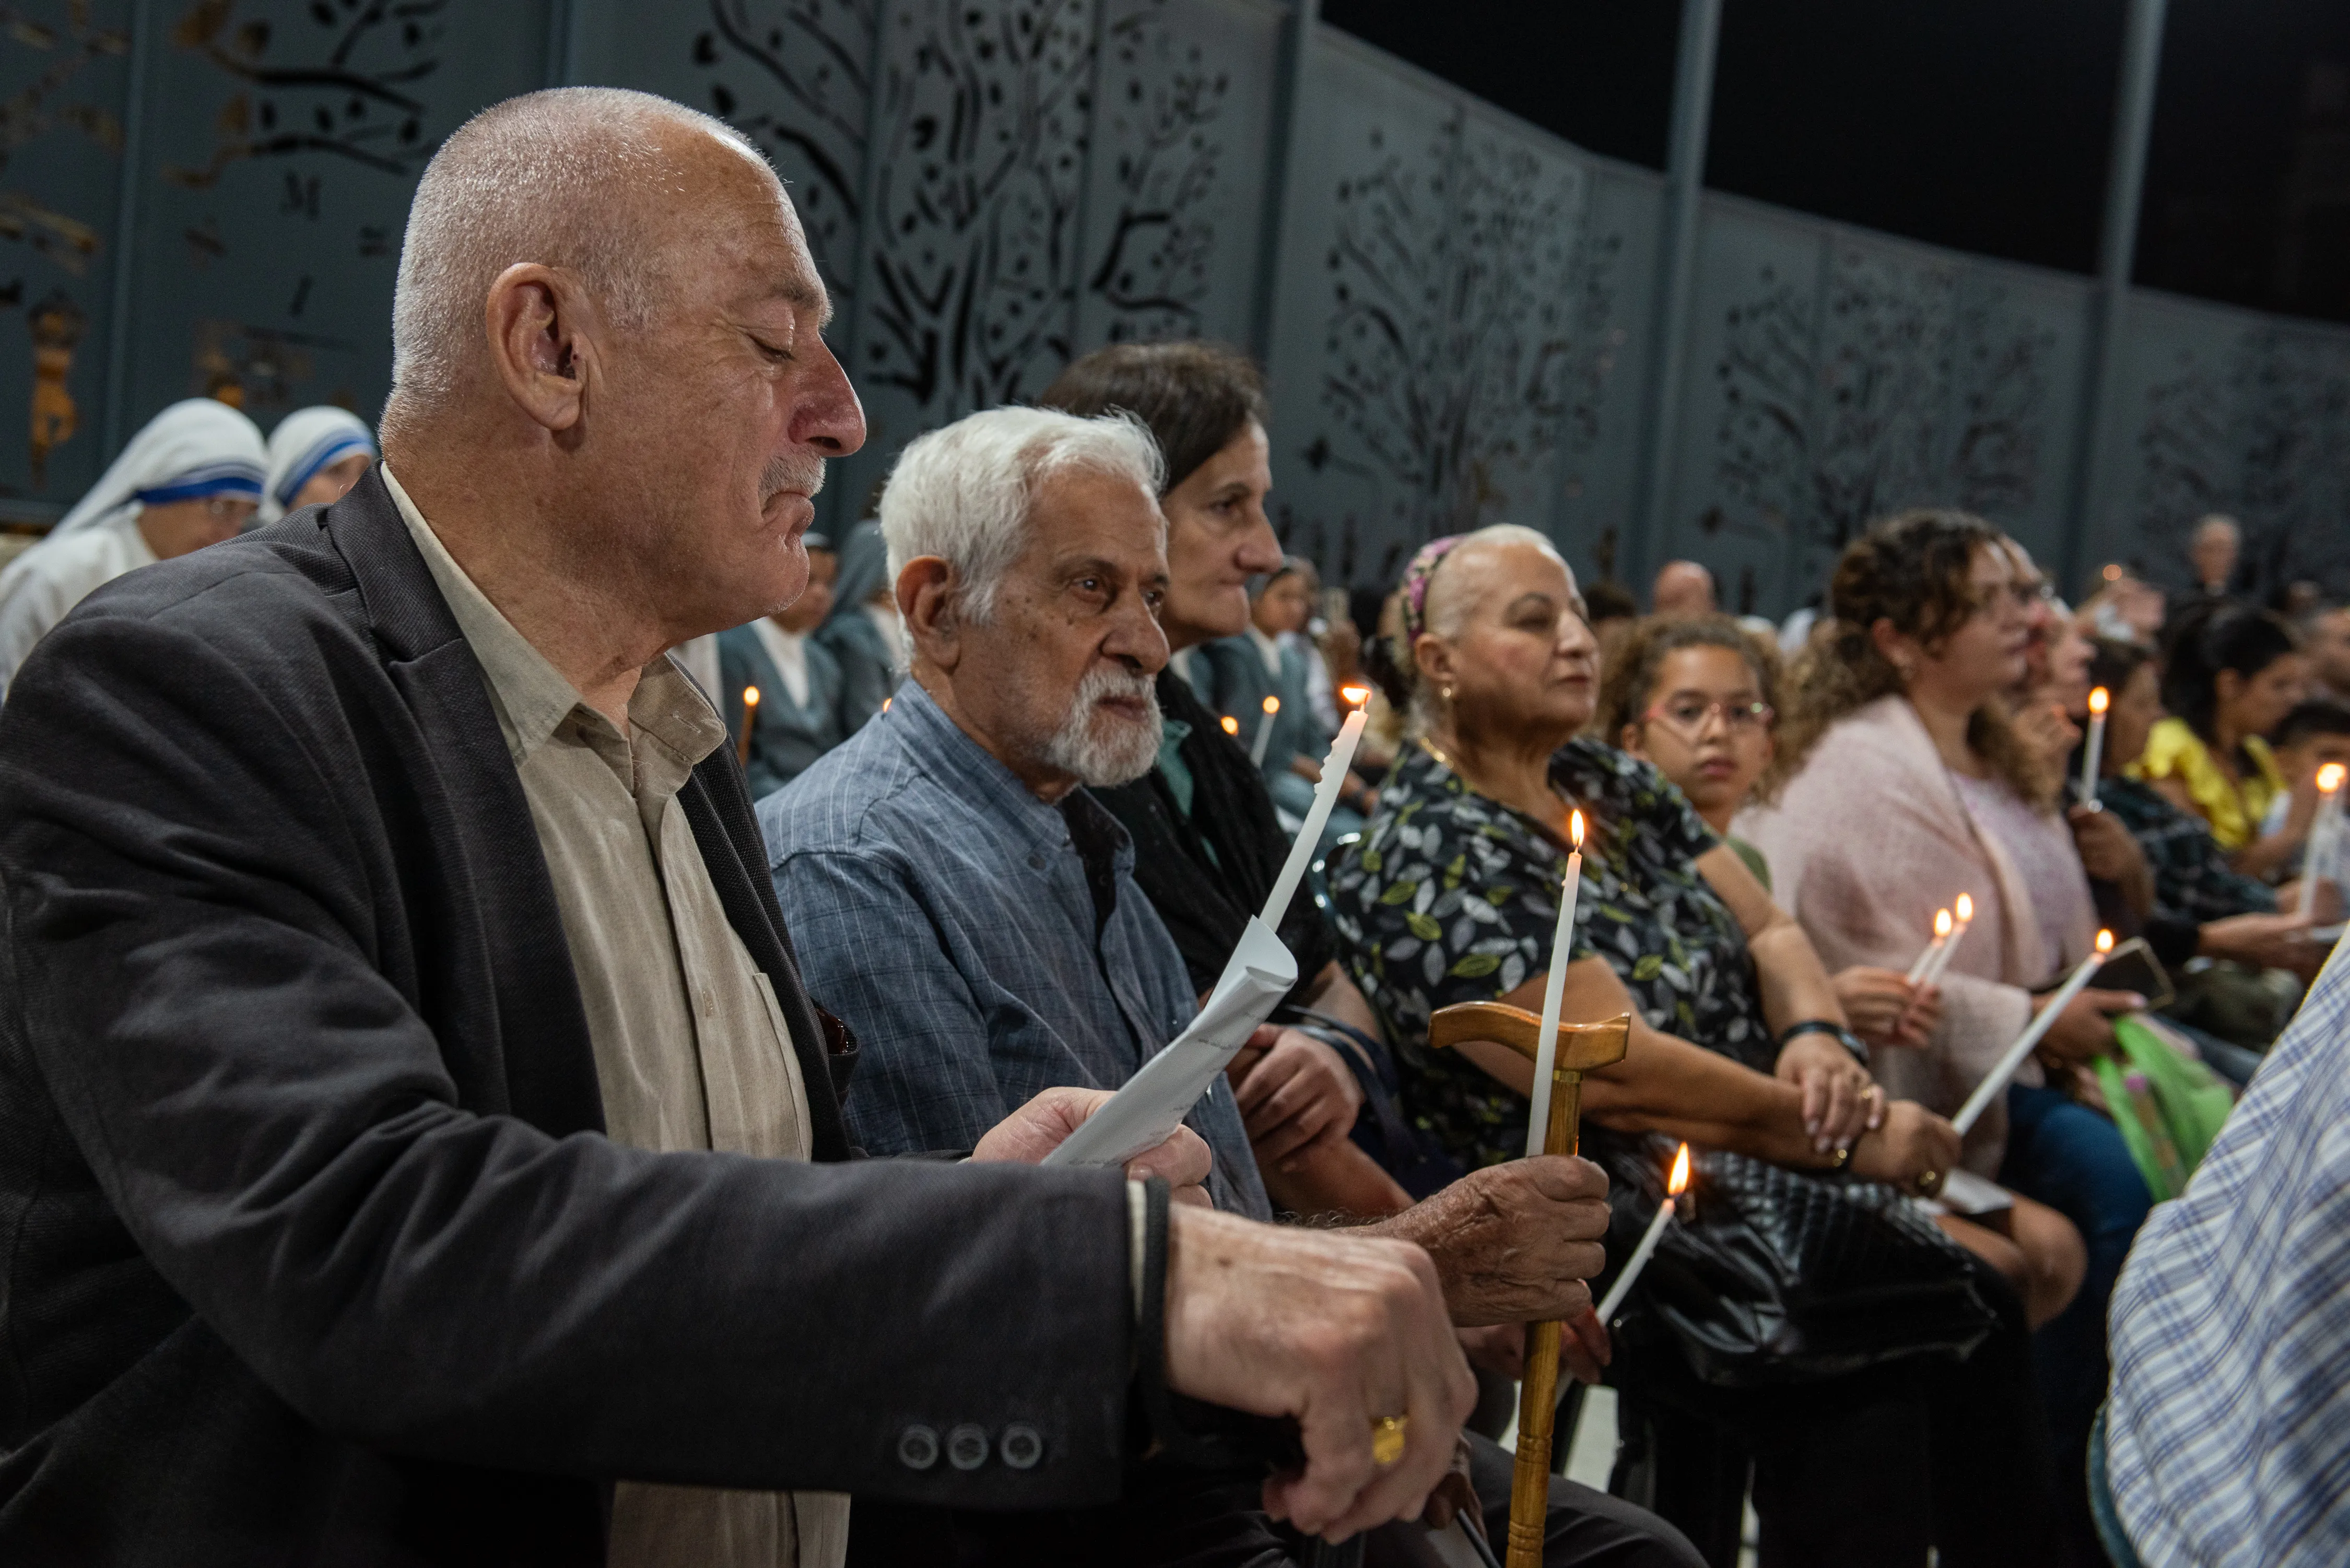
1865 1471
1174 1518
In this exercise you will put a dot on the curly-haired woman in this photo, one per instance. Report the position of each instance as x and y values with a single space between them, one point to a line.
1905 785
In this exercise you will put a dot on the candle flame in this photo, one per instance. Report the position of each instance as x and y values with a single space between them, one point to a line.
2330 776
1272 704
1941 923
1356 696
2105 941
750 696
885 704
2112 574
1575 830
1966 907
1679 1182
1231 725
2098 700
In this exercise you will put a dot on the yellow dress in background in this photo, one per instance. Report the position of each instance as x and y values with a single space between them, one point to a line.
2234 810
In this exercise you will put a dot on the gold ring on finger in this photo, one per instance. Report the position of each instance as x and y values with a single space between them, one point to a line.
1386 1439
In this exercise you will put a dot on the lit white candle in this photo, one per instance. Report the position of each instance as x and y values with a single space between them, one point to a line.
2094 754
1996 1079
1931 949
1562 948
1656 1233
1265 731
1966 911
1326 795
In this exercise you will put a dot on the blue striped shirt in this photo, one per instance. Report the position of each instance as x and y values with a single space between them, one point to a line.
983 945
2228 1432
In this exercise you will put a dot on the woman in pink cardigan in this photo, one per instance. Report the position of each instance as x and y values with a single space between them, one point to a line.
1904 787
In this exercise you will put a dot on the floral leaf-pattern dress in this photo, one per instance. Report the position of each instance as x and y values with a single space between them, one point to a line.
1450 897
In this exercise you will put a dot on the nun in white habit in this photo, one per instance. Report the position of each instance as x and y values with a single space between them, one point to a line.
315 456
191 478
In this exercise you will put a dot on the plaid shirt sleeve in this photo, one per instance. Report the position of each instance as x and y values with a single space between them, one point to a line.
2229 1421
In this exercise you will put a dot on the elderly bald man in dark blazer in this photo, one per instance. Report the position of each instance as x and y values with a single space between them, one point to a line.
416 1145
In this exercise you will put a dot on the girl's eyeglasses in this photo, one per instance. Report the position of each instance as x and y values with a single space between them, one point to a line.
1688 715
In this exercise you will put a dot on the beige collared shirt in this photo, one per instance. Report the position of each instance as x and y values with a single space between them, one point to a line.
692 1050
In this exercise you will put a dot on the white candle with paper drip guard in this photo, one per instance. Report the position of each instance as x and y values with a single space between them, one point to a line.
1325 796
1996 1079
2093 755
1154 1102
1966 917
1263 731
1562 948
2321 859
1674 1187
1932 950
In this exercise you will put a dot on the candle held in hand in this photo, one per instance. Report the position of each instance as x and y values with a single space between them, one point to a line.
2093 755
1562 948
1326 795
1655 1233
1926 955
749 717
1265 731
2320 857
1996 1080
1966 912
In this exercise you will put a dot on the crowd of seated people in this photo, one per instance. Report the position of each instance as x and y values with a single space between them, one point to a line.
1028 753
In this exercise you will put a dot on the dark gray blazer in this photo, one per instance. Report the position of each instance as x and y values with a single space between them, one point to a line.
314 1250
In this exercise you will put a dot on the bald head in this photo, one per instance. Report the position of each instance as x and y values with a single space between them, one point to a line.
1683 587
610 186
611 377
2213 550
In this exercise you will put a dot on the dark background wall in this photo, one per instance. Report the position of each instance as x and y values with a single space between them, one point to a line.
1452 285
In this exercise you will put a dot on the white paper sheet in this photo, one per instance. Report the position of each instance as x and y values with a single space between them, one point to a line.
1155 1101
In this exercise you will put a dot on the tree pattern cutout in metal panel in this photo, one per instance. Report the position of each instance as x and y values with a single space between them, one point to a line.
1447 358
350 87
1890 383
797 79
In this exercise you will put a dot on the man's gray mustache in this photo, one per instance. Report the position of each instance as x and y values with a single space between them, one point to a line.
803 474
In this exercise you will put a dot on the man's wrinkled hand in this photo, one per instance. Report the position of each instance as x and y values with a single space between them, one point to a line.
1044 1122
1335 1328
1514 1243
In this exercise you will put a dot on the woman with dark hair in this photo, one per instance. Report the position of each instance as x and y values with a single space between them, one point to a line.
2231 674
2194 904
1207 841
1904 785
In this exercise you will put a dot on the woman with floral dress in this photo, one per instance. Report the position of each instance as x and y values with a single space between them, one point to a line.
1737 1042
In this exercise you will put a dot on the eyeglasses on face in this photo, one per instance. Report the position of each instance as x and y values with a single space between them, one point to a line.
1689 715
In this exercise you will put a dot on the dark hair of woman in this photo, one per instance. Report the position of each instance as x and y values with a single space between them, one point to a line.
1195 396
2112 662
1913 570
1609 600
2206 639
1631 682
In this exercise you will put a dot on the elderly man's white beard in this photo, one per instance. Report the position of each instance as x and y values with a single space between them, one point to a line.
1099 747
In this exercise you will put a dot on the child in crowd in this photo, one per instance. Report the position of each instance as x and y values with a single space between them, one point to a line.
2316 733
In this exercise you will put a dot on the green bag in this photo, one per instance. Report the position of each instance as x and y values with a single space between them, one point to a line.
2169 1106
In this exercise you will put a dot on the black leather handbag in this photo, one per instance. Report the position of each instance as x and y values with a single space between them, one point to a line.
1775 1277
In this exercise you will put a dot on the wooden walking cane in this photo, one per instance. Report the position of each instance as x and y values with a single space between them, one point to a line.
1581 1048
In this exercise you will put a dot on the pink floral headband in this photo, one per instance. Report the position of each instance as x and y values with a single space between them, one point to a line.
1415 585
